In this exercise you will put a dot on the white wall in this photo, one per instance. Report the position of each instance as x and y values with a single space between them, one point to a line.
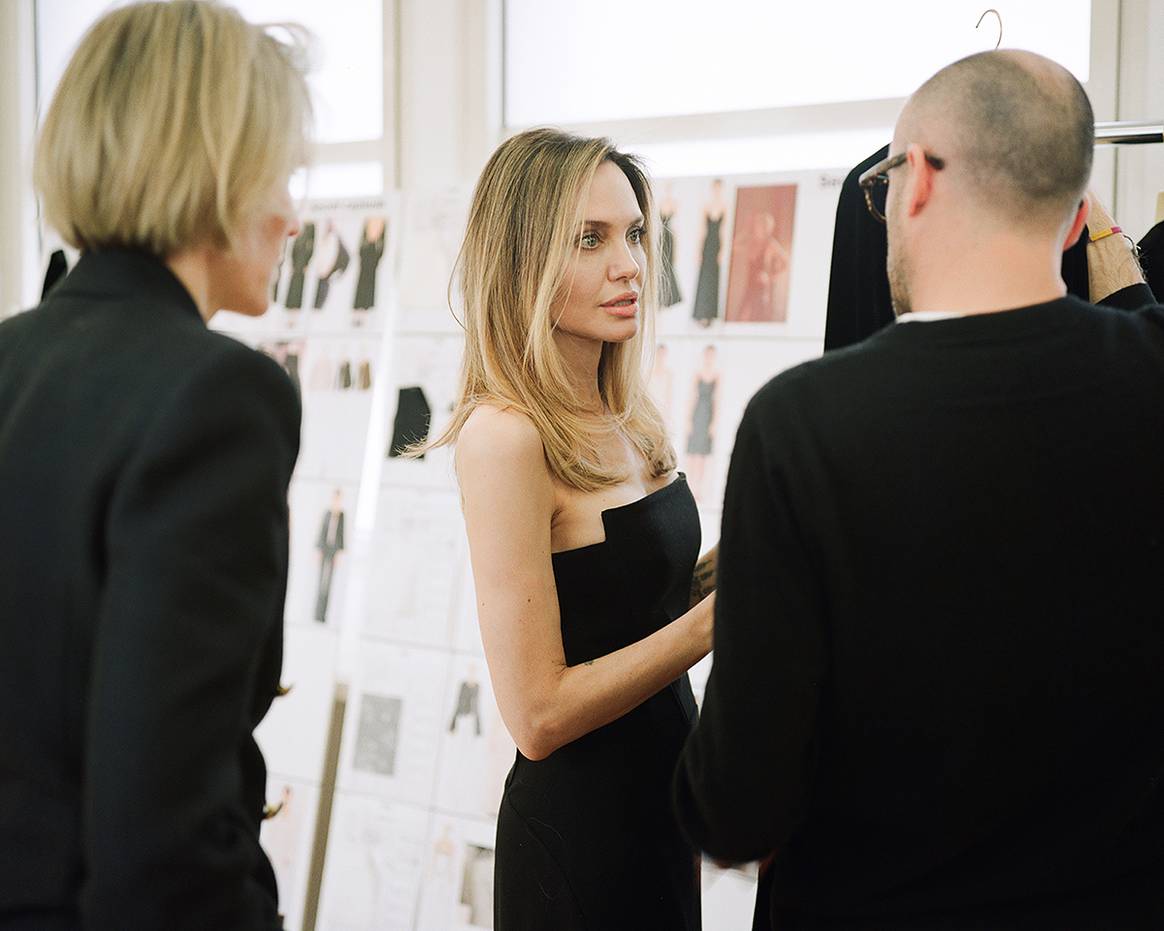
449 90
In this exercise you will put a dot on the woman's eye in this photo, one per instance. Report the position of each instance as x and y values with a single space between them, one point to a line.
589 241
636 235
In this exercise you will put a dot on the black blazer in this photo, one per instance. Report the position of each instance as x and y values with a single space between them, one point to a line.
144 464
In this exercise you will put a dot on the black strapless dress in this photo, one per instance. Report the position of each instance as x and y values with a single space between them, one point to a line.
586 838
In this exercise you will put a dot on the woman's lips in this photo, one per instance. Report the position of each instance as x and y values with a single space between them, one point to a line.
625 305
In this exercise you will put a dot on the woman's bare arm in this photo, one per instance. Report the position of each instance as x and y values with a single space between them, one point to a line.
508 502
703 579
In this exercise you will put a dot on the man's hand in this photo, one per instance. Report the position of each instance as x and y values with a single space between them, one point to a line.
1111 261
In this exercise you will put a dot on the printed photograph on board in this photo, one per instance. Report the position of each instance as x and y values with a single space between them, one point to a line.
761 254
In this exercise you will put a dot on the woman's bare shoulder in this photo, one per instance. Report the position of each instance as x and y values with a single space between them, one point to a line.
496 435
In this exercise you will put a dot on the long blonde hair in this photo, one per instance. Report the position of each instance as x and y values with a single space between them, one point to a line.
523 230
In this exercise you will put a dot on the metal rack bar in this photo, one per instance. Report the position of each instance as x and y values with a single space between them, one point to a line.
1129 133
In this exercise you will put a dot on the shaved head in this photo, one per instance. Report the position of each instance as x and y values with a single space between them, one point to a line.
1016 127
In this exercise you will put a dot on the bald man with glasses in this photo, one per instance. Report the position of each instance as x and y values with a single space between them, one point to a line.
936 699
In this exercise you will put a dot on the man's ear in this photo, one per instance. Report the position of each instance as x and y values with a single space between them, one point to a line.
1076 228
919 186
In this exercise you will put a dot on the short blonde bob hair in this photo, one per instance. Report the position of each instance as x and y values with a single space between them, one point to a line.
523 233
172 122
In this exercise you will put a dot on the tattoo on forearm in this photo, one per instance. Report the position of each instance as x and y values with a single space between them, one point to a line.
703 579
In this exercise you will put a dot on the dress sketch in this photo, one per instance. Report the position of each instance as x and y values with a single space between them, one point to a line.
411 423
701 421
334 260
301 251
659 386
705 308
371 251
330 544
699 438
291 367
467 697
669 293
378 734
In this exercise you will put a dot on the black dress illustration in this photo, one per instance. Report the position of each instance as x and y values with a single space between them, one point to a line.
291 367
329 544
670 294
301 252
370 254
412 420
706 306
467 705
699 439
338 267
585 837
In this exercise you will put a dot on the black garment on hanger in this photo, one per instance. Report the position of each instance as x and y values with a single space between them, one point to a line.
859 304
412 419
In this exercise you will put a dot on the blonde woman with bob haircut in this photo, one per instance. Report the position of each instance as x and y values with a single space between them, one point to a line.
144 463
583 539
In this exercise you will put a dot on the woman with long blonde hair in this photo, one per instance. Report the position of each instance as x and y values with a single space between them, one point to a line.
583 539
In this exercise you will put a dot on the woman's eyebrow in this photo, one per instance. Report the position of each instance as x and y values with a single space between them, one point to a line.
604 225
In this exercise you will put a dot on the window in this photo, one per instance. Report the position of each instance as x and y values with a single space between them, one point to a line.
609 60
346 79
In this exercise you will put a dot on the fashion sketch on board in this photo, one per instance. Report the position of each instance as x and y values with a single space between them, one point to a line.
287 353
701 418
331 261
468 696
659 385
378 734
669 293
302 250
330 544
477 886
705 308
758 278
411 423
277 274
371 251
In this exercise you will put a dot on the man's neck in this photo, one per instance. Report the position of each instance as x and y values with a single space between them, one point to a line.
1000 273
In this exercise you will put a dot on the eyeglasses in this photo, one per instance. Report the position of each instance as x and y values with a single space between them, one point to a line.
875 181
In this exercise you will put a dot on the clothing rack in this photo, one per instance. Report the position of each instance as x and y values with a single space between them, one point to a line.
1129 133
